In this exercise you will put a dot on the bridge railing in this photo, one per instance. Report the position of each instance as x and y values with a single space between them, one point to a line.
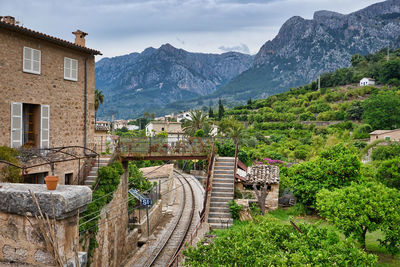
159 146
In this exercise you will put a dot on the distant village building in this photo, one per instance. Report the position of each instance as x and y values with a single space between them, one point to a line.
367 81
119 124
173 129
46 94
132 127
389 135
183 116
102 126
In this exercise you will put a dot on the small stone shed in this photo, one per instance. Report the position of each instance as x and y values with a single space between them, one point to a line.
269 175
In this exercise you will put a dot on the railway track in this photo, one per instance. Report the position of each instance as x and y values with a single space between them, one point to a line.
170 246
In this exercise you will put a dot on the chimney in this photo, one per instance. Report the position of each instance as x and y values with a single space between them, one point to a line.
80 37
8 19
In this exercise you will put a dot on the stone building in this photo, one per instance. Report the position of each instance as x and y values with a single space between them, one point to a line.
46 93
173 129
266 175
388 135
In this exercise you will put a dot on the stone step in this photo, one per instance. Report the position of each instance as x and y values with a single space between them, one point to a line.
89 183
222 181
93 173
225 159
222 189
219 172
219 209
226 186
219 215
219 226
224 163
219 205
222 194
223 168
220 220
221 199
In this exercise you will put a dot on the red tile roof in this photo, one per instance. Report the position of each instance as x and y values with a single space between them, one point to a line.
43 36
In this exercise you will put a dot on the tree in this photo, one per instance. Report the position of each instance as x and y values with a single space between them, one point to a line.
98 100
360 208
389 70
221 109
382 111
267 242
249 102
355 111
235 131
196 122
389 173
335 167
211 113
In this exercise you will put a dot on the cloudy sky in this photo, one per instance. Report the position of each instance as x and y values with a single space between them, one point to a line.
118 27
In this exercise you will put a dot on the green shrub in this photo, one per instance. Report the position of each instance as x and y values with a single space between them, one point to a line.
335 167
234 209
266 242
360 208
386 152
8 173
389 172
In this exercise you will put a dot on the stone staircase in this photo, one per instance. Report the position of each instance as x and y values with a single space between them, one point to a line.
91 178
221 193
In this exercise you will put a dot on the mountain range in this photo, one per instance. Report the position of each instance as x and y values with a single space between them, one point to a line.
139 82
169 79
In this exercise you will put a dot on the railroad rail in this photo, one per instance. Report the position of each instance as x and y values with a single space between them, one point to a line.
168 249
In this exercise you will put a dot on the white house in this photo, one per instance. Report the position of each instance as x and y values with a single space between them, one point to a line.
367 81
132 127
173 129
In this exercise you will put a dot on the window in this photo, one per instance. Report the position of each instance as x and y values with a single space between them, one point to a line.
31 61
70 69
35 178
387 138
68 178
162 129
30 125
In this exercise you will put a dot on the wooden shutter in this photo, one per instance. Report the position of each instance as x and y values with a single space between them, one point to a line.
16 125
67 68
36 57
74 69
27 59
32 60
44 126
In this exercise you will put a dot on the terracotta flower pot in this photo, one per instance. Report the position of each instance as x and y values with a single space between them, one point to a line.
51 182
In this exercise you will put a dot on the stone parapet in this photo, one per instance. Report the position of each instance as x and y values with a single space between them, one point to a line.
21 240
67 200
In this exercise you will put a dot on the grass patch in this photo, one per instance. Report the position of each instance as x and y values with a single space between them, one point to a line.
372 239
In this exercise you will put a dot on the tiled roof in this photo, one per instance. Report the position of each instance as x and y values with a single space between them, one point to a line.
43 36
383 131
258 174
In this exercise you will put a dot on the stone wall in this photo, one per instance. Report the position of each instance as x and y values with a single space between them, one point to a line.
65 98
155 215
115 242
271 202
21 240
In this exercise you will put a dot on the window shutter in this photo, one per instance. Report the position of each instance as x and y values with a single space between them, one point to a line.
67 68
36 57
16 125
74 69
27 59
44 126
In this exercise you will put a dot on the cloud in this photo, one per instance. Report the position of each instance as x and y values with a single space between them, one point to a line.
239 48
123 26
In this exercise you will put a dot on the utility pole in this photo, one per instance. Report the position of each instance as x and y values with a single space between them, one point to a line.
319 82
387 57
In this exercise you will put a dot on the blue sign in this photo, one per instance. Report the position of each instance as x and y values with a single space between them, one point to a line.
134 192
146 202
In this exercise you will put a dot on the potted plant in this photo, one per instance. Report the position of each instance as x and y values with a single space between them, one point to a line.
51 180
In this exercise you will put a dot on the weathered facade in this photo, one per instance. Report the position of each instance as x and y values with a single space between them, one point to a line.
46 93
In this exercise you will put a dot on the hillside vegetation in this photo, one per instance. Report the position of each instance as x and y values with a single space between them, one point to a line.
318 138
